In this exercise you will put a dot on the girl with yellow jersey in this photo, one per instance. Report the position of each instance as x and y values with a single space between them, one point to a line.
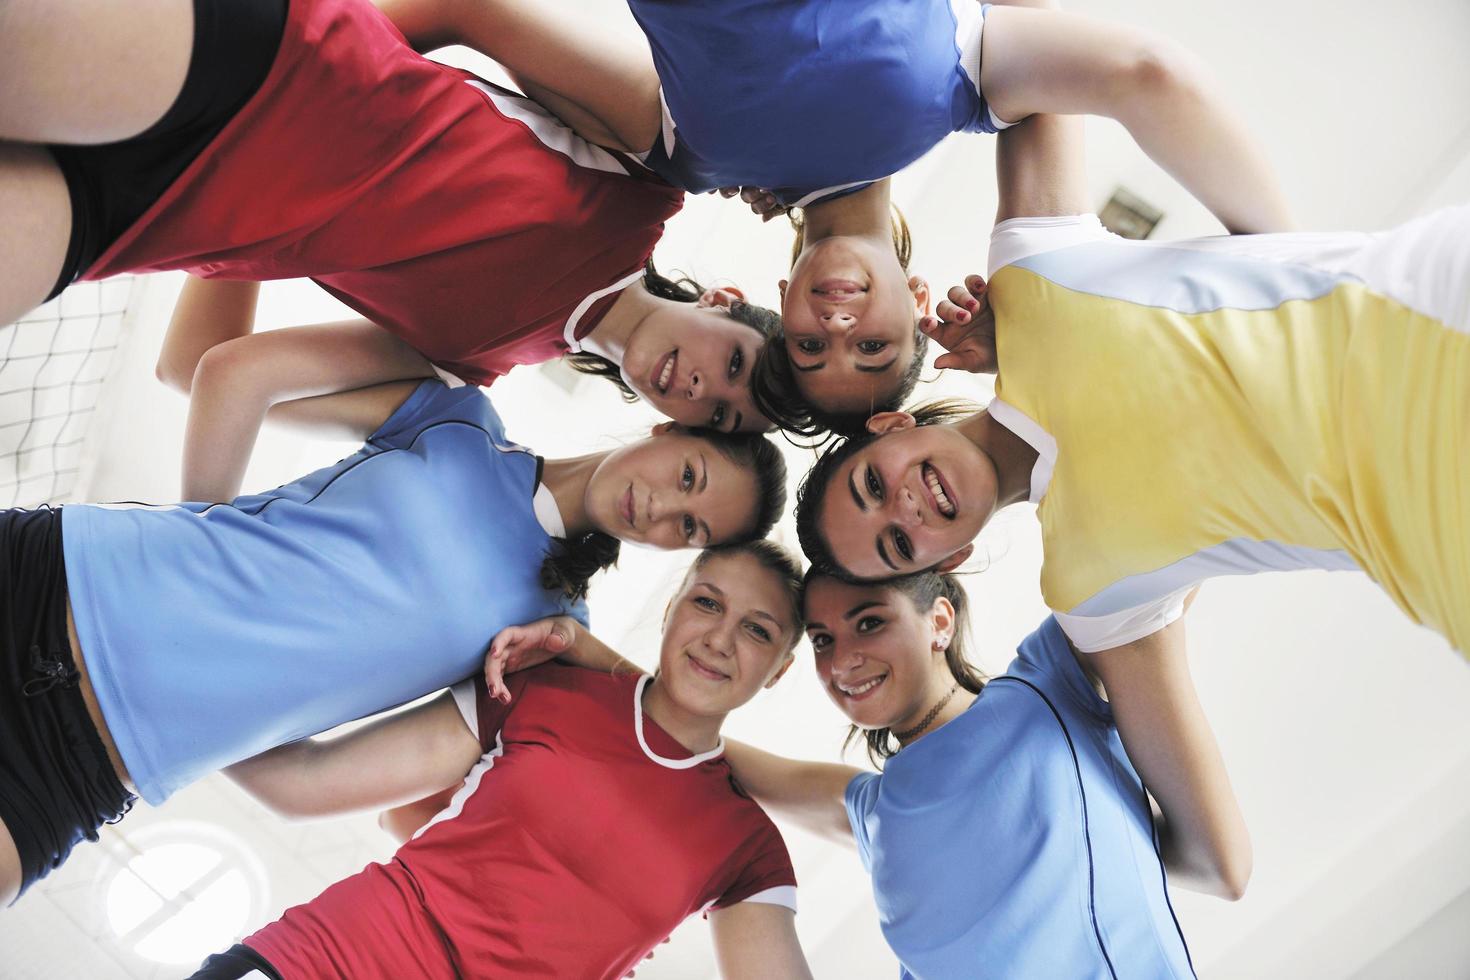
1181 410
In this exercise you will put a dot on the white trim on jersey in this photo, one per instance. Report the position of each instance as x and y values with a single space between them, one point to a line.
551 131
1020 238
451 381
1034 436
827 192
688 763
464 700
1093 633
547 513
783 895
471 783
569 332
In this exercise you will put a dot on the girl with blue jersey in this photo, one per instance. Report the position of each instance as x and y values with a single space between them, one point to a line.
809 104
1009 834
145 646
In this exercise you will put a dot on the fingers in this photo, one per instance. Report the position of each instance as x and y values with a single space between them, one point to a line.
951 313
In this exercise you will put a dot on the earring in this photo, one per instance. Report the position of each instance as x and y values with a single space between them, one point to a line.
941 642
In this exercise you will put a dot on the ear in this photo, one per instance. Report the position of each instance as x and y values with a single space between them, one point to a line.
662 428
781 288
721 297
781 671
919 287
941 617
886 422
957 559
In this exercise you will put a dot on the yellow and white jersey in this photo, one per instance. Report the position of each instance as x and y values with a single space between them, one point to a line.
1231 405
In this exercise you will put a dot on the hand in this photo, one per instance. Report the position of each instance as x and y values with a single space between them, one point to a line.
965 328
761 201
518 647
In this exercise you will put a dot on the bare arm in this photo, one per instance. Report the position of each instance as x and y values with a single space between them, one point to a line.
1205 843
809 794
402 822
604 87
1045 61
391 760
557 638
755 941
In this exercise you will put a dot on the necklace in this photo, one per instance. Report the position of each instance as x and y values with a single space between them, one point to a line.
918 729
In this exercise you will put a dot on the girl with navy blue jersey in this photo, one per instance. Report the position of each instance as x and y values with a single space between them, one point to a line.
144 646
1009 834
812 105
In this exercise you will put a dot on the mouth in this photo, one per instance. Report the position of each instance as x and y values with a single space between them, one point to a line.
663 372
704 670
838 290
625 506
862 690
939 494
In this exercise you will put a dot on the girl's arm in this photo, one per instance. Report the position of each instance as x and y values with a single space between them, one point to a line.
557 638
392 759
235 377
1205 843
809 794
603 87
1044 61
755 941
402 822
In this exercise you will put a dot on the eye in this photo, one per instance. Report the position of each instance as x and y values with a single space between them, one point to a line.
875 485
689 528
737 361
686 478
902 545
705 602
759 632
872 346
811 346
819 641
868 624
718 418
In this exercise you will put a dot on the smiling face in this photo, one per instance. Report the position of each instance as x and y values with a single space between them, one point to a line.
692 362
672 490
876 654
848 317
728 633
910 500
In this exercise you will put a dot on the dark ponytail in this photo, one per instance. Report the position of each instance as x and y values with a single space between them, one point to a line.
573 561
765 322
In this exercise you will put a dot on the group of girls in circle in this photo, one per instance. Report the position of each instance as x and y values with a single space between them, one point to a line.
1175 410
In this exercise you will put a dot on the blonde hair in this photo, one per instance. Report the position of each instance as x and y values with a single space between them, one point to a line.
903 241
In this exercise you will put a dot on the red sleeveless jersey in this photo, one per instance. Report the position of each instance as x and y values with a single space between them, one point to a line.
464 219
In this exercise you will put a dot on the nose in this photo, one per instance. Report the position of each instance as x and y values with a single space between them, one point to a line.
845 660
905 508
719 639
696 385
837 322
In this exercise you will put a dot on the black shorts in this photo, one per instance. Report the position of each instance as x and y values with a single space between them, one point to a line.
57 785
235 962
113 184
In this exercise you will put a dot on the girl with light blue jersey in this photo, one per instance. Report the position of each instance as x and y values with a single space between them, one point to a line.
815 104
1009 834
144 646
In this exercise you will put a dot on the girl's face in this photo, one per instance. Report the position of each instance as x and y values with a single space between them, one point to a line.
692 363
912 499
671 490
876 655
727 634
848 315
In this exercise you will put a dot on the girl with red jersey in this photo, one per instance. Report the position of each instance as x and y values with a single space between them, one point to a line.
249 140
597 812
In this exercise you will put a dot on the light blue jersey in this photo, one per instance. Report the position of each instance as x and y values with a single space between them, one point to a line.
1016 840
214 632
810 99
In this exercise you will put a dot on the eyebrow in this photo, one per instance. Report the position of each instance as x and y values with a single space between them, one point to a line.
876 368
761 614
883 553
852 485
860 607
704 476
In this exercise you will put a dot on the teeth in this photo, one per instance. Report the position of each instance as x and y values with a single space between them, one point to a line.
864 687
945 507
666 374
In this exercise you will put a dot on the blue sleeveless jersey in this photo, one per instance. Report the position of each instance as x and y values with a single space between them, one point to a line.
1016 840
810 99
216 631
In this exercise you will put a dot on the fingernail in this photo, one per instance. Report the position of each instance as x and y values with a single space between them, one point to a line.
973 304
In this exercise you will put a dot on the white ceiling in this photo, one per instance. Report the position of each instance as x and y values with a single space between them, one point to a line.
1345 727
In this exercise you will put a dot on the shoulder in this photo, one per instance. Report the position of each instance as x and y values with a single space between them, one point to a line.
1017 239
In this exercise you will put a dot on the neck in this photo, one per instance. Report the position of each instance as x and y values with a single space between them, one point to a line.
860 215
945 687
697 733
567 480
610 337
1012 456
